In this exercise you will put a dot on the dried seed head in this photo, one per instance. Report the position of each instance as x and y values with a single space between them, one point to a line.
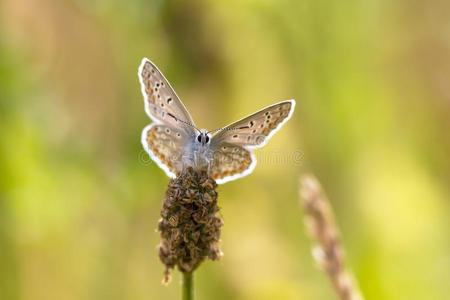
322 228
189 227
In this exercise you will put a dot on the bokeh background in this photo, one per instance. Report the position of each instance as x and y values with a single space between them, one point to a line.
80 201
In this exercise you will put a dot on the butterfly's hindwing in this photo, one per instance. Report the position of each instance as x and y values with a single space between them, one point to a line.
230 161
165 145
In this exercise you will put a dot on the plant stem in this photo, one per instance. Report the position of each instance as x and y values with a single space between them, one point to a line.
187 289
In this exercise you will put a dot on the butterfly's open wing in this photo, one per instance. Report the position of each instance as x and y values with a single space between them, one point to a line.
161 102
230 162
166 139
165 145
255 130
232 146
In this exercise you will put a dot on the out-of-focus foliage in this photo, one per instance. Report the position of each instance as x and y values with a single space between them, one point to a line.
79 201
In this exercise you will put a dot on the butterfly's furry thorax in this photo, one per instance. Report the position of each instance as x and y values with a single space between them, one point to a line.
198 153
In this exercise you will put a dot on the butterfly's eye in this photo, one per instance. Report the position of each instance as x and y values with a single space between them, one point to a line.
199 138
207 139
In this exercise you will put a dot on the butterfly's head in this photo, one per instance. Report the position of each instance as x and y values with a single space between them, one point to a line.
203 137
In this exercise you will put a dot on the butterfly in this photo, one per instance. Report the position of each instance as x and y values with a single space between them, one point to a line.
175 143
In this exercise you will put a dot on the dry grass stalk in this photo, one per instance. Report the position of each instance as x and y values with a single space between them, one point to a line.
322 228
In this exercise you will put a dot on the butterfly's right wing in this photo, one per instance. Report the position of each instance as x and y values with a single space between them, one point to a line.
232 146
161 102
166 146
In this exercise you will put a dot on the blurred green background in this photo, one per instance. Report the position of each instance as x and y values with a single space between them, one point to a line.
80 201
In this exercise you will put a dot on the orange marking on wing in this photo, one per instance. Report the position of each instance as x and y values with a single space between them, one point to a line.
155 150
155 128
225 173
152 135
152 98
266 131
271 125
215 176
169 164
163 157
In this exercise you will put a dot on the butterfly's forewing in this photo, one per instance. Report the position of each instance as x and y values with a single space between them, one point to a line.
165 145
255 130
161 102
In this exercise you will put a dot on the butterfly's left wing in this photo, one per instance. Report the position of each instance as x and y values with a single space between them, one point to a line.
232 146
173 129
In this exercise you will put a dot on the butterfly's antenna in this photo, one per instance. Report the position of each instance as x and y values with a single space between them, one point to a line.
179 120
224 128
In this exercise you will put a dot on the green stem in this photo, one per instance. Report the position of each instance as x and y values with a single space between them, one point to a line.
187 289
